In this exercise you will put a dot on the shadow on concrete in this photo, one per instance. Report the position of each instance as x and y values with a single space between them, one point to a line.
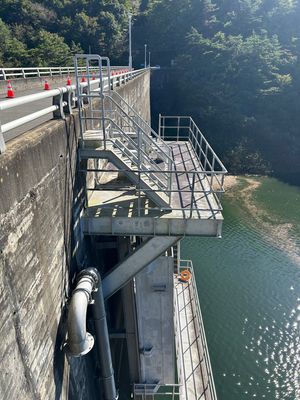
67 164
59 358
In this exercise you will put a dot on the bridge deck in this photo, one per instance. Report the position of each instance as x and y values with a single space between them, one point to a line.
115 207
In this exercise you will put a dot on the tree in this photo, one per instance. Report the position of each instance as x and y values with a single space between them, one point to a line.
50 50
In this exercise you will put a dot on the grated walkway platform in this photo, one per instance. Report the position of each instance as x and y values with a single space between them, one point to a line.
195 376
195 209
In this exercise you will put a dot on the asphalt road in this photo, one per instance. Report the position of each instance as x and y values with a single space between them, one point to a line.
21 111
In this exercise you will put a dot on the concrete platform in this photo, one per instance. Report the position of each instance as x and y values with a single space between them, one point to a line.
116 209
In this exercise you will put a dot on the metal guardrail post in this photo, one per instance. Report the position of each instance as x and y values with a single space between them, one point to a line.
68 98
2 142
58 101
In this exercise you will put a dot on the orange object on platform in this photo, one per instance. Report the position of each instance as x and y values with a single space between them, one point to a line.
93 76
68 81
185 275
83 78
10 92
46 86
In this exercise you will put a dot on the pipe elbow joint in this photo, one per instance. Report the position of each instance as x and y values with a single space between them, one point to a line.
79 341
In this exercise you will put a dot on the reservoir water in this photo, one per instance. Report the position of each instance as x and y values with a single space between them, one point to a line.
249 289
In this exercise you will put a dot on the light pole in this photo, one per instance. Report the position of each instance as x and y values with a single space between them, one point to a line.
145 63
149 59
130 53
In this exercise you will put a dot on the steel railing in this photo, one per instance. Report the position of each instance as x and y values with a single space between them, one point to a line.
209 391
183 128
204 182
148 391
64 99
31 72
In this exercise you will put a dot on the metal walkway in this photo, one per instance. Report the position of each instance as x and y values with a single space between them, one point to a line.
162 183
193 364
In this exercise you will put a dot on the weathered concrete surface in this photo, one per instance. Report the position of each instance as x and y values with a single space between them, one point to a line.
37 180
39 188
137 94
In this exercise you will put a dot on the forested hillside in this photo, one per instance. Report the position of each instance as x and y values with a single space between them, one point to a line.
236 71
49 32
232 64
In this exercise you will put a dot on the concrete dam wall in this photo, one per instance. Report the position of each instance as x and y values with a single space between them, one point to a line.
41 197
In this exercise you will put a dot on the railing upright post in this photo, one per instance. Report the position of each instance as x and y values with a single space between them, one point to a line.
139 173
2 141
192 195
58 101
3 74
212 171
205 161
170 168
23 73
159 125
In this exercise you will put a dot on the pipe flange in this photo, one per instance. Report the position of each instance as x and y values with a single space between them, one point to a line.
80 349
91 272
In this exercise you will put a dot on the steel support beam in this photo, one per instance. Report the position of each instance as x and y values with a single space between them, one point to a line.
135 262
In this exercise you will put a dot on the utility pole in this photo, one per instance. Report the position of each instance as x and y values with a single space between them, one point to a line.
145 63
130 50
149 59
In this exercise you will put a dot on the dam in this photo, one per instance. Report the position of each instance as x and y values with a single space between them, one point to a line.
94 204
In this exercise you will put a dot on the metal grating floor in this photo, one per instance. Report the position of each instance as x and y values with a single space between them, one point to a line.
192 353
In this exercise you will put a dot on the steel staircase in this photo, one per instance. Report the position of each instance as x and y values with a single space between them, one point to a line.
116 132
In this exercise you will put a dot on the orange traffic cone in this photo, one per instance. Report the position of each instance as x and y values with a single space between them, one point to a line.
68 81
46 86
83 78
10 92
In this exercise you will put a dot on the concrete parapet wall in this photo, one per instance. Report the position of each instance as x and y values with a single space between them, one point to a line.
41 197
21 85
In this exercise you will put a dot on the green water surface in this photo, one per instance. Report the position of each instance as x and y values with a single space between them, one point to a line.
249 289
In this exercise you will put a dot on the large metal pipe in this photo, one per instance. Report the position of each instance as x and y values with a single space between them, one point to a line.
103 345
79 342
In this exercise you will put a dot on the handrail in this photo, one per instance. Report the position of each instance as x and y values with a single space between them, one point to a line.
138 148
63 101
210 391
144 122
188 127
133 158
133 143
24 72
139 127
144 391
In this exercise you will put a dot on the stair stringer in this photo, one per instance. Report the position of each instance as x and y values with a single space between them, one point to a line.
110 155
